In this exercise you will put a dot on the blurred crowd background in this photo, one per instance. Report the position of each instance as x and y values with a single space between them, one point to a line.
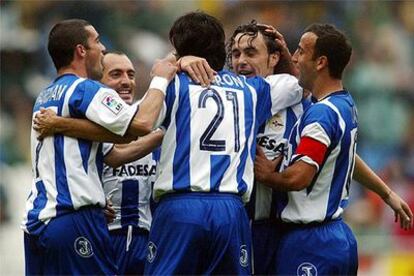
380 77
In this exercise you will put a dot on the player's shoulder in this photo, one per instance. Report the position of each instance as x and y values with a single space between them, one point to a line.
92 87
320 111
284 80
339 98
91 84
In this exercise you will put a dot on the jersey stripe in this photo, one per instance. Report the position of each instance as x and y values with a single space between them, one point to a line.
333 122
215 125
181 167
66 171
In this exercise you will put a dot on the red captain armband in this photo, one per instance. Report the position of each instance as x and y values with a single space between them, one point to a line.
312 148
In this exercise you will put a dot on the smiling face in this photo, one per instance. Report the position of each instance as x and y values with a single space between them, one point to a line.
94 54
250 56
119 74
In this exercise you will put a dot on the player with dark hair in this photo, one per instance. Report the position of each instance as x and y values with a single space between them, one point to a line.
277 60
129 169
206 164
252 50
317 172
65 229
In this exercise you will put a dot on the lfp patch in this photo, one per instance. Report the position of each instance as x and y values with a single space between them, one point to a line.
113 104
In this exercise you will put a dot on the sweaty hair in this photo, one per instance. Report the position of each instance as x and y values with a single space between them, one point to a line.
199 34
63 39
252 29
333 44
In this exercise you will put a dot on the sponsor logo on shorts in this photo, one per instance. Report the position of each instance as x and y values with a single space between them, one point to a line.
152 252
113 104
244 256
307 269
83 247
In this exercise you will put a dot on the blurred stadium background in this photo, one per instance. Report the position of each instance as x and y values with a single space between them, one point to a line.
380 77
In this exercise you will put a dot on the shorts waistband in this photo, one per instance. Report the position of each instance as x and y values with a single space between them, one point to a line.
291 226
200 195
124 231
89 207
263 221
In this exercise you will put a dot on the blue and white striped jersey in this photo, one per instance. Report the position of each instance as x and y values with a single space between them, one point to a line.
209 143
273 139
332 122
67 171
129 188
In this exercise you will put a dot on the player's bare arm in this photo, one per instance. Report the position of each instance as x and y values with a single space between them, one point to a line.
370 180
47 123
296 177
197 68
152 103
122 154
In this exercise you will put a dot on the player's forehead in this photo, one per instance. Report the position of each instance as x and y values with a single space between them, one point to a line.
245 40
112 61
92 33
307 41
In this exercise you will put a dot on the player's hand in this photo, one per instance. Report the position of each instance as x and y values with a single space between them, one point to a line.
279 38
264 168
109 211
285 55
402 211
164 68
198 69
44 122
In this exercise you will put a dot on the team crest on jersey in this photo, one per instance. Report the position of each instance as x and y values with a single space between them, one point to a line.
83 247
307 269
244 256
152 252
112 104
276 122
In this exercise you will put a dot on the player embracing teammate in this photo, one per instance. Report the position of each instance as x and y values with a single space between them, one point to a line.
206 165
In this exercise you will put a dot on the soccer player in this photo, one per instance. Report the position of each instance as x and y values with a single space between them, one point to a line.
129 170
317 172
65 229
128 186
206 167
256 49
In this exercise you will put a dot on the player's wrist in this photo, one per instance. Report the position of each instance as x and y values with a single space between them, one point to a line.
159 83
387 196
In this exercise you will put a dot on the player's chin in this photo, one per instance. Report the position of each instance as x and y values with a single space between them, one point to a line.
126 98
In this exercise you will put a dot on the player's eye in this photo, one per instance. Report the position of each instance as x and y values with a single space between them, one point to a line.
115 75
250 53
236 54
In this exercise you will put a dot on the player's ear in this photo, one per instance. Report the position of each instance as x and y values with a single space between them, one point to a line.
321 63
274 59
80 50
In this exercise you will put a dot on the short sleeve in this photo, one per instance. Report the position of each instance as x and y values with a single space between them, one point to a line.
165 113
107 109
285 91
264 103
320 123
